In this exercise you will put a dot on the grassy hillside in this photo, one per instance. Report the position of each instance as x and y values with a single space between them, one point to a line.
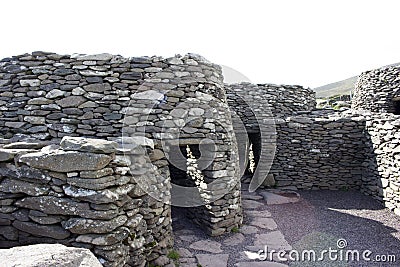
338 88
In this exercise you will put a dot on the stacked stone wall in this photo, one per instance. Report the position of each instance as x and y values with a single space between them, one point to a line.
319 153
81 194
168 103
280 101
376 90
381 176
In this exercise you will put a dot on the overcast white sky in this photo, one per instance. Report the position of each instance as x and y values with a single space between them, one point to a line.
304 42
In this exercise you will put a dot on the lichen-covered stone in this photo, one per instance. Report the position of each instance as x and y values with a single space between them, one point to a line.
24 173
18 186
105 239
53 205
86 226
88 145
48 255
66 161
96 174
98 197
9 154
98 183
53 231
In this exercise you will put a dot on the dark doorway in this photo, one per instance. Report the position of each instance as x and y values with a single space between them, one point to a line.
186 174
396 105
255 141
181 175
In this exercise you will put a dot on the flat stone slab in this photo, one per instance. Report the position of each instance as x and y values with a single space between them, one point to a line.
66 161
260 264
18 186
9 154
251 196
53 205
100 57
48 255
210 260
234 240
24 173
99 183
188 265
251 204
24 145
184 253
281 197
52 231
273 240
207 245
248 229
189 260
88 145
86 226
104 239
258 213
265 223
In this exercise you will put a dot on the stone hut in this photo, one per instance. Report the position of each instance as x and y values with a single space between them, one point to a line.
378 90
91 144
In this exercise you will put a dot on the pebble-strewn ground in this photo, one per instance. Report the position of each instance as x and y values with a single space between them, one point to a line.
315 221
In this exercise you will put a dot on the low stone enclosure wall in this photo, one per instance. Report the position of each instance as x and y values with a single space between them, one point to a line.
340 152
97 148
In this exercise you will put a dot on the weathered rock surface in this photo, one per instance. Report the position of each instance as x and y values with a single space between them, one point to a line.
97 197
48 255
53 231
88 145
209 260
24 173
96 174
207 245
86 226
9 154
16 186
66 161
54 205
105 240
98 183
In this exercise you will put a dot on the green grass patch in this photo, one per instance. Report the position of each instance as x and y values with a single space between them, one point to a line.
173 255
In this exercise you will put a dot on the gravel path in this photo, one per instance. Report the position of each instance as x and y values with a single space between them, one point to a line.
323 217
316 221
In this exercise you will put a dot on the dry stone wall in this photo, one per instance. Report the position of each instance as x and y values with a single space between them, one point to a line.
378 90
325 149
46 95
381 177
315 152
166 104
81 194
376 98
282 100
